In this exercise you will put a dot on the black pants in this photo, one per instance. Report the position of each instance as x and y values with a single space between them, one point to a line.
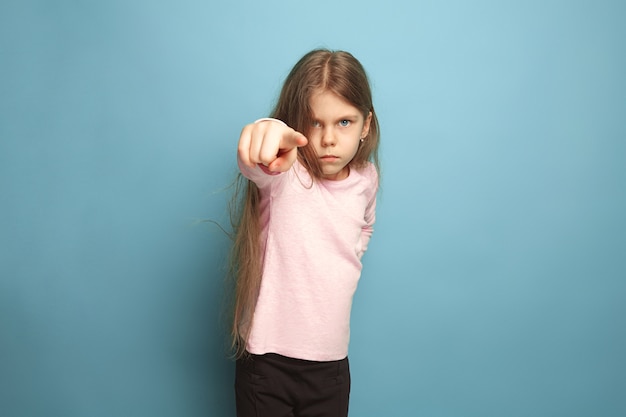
276 386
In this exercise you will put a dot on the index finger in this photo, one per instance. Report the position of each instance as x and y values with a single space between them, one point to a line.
293 139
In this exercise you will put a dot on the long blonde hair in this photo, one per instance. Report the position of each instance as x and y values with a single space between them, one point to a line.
319 70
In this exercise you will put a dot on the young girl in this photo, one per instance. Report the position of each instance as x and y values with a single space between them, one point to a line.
305 221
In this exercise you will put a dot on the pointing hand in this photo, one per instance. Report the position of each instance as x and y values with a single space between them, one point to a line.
270 143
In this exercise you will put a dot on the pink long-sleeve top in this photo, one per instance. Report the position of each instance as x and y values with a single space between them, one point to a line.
313 236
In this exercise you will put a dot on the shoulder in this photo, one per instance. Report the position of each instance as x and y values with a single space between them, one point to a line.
368 173
364 180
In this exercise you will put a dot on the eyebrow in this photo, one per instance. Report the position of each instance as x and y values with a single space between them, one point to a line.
350 116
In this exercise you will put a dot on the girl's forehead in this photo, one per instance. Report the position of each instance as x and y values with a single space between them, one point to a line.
328 103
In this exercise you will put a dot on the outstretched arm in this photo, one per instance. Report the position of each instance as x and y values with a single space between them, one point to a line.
271 143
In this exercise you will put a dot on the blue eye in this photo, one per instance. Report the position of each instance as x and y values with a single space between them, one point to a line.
316 124
344 123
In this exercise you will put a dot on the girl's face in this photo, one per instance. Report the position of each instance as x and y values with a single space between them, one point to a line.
337 129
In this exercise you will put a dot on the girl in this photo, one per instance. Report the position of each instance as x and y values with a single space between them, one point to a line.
311 174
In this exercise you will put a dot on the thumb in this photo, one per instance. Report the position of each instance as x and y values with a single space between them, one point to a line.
288 152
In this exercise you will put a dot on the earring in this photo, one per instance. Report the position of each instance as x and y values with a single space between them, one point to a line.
362 140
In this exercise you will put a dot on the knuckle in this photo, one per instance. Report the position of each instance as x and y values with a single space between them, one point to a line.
266 156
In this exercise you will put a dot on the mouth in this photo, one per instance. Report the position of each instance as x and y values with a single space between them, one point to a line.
329 158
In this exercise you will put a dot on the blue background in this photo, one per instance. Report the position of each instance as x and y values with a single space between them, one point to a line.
495 284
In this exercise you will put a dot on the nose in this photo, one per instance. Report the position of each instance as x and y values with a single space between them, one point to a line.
328 138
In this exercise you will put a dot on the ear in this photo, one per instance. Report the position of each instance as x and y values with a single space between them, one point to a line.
366 126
